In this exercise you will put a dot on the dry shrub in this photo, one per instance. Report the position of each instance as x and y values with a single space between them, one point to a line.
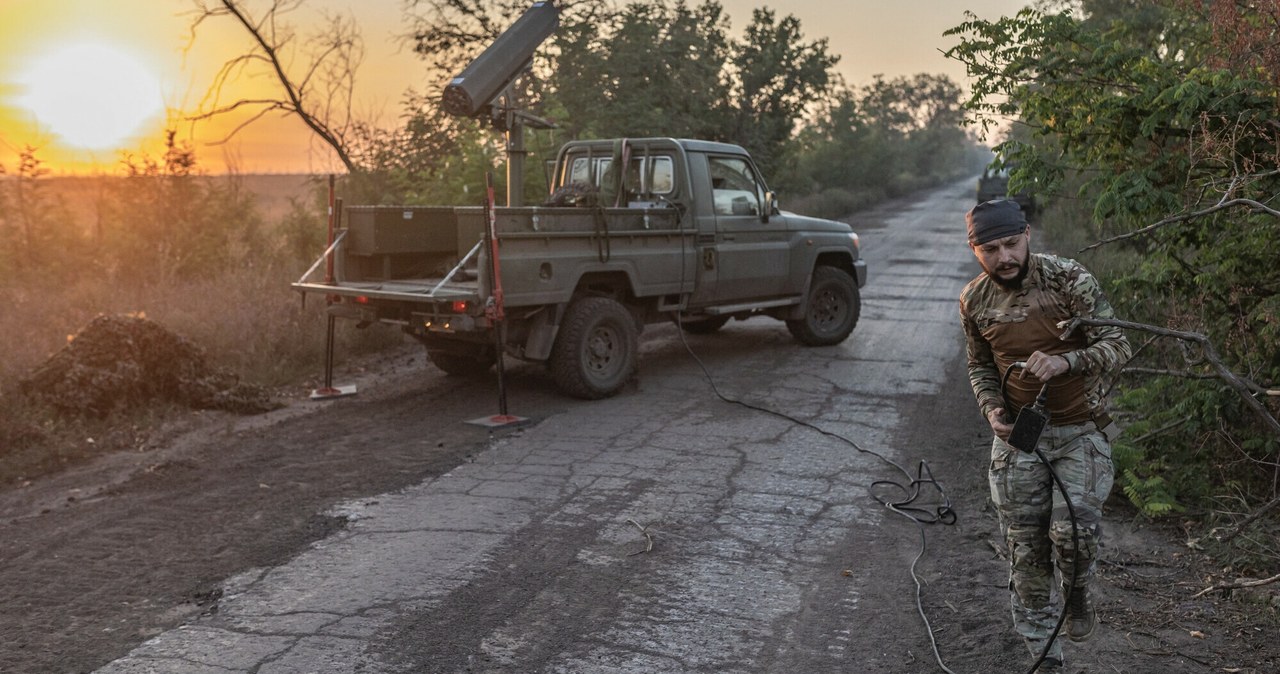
120 362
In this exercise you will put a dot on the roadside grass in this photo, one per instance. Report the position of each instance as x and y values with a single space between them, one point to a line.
247 321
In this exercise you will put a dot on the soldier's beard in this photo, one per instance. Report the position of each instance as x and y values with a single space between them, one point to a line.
1014 283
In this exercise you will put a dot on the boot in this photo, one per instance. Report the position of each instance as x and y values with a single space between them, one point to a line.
1082 617
1051 665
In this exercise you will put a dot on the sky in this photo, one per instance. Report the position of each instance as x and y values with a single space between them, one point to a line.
89 82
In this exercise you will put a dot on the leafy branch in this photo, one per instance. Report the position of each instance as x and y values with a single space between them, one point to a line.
1243 387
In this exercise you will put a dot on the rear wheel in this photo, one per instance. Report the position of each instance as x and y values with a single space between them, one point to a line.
831 310
595 350
462 361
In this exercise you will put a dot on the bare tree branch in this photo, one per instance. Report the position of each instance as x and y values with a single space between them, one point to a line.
1238 585
1224 205
1250 519
1257 389
1241 386
1167 427
333 64
256 116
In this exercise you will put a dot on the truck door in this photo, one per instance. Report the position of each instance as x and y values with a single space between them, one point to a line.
752 252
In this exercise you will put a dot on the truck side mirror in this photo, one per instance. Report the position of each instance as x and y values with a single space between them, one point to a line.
770 205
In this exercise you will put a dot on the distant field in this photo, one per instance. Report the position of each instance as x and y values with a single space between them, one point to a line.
271 192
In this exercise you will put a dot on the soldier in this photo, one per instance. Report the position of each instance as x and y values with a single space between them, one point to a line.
1011 312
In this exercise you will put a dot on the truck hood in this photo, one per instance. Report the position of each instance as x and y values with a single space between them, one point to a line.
804 223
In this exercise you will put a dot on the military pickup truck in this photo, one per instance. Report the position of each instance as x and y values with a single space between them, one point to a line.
633 232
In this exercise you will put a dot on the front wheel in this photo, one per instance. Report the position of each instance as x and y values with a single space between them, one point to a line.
831 309
595 350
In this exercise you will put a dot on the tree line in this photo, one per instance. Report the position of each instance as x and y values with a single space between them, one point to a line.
636 69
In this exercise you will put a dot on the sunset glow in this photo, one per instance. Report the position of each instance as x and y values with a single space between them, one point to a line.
92 96
85 82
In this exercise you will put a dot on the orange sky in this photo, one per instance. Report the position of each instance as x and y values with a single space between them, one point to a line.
126 61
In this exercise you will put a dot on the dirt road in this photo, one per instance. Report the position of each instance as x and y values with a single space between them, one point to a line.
663 530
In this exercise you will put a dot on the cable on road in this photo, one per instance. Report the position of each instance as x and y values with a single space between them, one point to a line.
910 489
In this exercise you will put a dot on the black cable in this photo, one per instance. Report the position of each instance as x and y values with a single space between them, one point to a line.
1071 513
1075 561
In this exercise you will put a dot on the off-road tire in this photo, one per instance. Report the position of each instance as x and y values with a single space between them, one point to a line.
462 362
831 309
704 326
595 351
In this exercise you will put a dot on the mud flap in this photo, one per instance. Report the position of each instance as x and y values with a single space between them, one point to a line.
542 334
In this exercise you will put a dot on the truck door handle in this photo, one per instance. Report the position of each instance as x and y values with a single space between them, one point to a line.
729 237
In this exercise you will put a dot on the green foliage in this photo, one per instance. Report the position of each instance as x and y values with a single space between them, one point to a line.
1151 495
778 76
651 69
1157 110
432 159
163 221
663 68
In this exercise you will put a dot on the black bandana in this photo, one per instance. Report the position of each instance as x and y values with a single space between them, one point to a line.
994 219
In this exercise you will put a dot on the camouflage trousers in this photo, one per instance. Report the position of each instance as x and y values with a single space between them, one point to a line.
1036 524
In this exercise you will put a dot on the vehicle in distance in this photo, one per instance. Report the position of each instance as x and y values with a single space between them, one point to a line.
994 184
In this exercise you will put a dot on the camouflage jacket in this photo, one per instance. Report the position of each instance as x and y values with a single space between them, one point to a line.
1002 326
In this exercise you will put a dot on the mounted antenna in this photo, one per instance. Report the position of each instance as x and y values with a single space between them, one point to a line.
484 88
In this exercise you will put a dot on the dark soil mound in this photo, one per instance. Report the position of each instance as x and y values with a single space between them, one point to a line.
120 362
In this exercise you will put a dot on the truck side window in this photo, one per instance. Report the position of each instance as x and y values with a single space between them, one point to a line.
734 186
587 171
653 175
646 176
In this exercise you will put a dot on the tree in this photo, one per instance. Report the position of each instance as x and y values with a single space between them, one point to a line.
646 69
653 69
318 93
165 221
778 78
43 237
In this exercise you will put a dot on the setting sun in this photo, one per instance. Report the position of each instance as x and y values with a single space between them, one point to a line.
90 95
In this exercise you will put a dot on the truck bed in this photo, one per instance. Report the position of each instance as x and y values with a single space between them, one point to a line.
384 252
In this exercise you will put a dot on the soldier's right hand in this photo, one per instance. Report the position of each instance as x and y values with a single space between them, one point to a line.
996 418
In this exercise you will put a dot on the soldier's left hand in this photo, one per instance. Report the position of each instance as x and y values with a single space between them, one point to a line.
1044 367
